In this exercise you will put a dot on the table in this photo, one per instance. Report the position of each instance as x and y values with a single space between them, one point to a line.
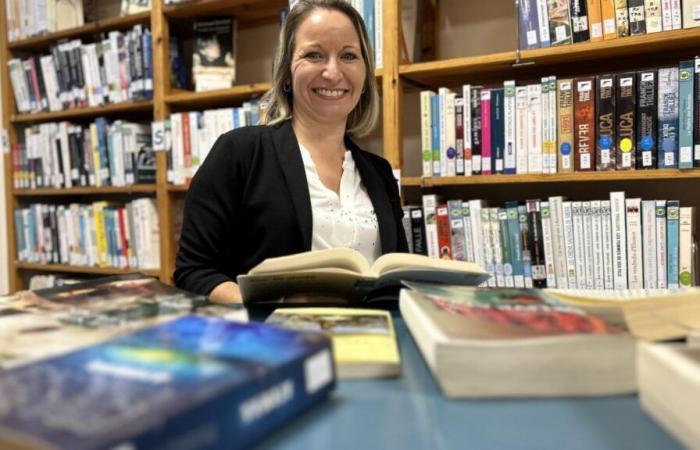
410 413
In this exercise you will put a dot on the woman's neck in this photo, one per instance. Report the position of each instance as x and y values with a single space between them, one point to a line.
326 141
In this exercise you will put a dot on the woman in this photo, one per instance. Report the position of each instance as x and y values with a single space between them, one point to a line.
297 182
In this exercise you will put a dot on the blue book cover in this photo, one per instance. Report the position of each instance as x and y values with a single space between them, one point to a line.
102 127
685 114
668 117
672 216
192 383
368 16
514 243
497 130
528 25
435 130
525 245
147 56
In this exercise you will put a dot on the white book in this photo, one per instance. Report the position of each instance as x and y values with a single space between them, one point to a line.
676 15
467 129
20 86
521 127
442 101
652 13
65 153
48 70
569 244
661 257
378 33
558 241
509 126
597 245
606 219
543 21
487 246
619 239
553 119
635 277
547 239
666 13
450 135
425 130
546 135
468 239
686 272
497 246
178 148
504 234
579 244
588 242
475 207
649 269
534 129
430 203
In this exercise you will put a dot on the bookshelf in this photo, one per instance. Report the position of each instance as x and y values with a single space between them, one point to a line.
490 59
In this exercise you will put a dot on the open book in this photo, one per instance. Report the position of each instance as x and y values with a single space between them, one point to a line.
343 276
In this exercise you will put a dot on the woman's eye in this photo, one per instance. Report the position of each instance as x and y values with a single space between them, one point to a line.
313 55
350 56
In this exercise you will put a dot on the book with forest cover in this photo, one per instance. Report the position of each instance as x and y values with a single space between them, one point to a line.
192 383
515 343
364 340
214 53
342 276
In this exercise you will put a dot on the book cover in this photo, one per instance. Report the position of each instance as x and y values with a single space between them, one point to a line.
661 247
619 239
426 132
584 130
435 131
649 243
476 115
559 22
637 22
525 245
543 22
626 109
418 231
647 125
622 18
457 235
565 125
652 16
467 129
469 250
685 114
515 244
214 57
536 244
668 117
686 269
443 231
497 130
691 13
672 230
548 240
534 128
579 20
606 142
605 213
506 251
459 136
634 243
528 25
242 380
521 130
696 114
486 145
607 11
509 127
595 20
597 244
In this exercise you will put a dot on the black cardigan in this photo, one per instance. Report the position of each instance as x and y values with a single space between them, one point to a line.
250 201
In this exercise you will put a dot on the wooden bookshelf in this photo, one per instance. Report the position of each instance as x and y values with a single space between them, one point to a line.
81 269
123 108
247 12
107 190
209 99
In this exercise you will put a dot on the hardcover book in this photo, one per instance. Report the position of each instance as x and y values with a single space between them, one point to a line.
637 22
472 338
668 117
189 383
685 114
559 22
646 119
476 128
364 340
626 109
528 25
606 143
565 125
595 20
214 57
584 129
579 21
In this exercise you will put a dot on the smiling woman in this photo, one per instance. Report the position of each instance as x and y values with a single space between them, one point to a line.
297 182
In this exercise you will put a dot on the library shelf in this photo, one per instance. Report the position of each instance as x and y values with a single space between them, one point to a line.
575 177
127 107
105 190
190 99
83 269
87 30
178 187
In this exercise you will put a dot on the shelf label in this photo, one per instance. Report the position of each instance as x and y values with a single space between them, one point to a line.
158 136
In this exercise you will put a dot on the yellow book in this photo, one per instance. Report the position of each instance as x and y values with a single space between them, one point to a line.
100 233
96 154
364 340
607 10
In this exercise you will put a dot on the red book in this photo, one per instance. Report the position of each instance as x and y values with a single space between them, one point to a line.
584 124
443 229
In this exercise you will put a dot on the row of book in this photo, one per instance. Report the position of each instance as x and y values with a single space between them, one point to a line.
633 120
190 135
116 68
28 18
100 234
101 153
618 243
543 23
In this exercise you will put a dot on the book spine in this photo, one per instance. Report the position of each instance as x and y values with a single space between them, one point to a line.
497 246
696 114
558 241
569 244
521 130
637 22
588 243
528 26
605 213
457 237
635 274
488 247
668 117
691 18
449 153
607 11
486 152
559 22
497 130
579 244
547 239
418 231
468 238
622 18
685 246
595 20
583 123
525 245
597 244
509 114
565 125
553 123
579 21
475 207
649 243
672 225
476 129
626 109
661 249
605 112
435 133
543 23
467 126
646 119
506 252
676 15
534 129
652 14
619 241
431 232
515 244
666 21
459 136
547 143
685 114
536 244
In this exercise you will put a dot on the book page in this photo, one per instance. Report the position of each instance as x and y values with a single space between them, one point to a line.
334 258
399 261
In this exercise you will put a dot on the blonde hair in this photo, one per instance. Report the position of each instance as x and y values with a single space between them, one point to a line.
277 103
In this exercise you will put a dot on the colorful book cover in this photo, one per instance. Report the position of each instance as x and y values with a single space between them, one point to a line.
443 231
239 381
459 136
685 114
476 128
672 230
559 22
534 128
668 117
457 236
467 129
685 246
509 127
607 11
525 244
565 125
622 18
647 125
435 133
584 129
515 244
486 150
696 114
625 110
521 130
661 247
606 144
497 130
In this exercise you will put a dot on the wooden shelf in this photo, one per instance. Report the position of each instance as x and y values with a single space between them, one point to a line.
178 187
136 188
77 113
82 269
89 29
246 12
220 97
575 177
497 67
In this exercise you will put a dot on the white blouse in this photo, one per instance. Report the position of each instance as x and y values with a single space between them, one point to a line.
345 220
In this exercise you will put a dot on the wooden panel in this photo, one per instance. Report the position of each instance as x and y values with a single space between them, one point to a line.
247 12
82 269
88 30
140 188
217 98
391 88
86 113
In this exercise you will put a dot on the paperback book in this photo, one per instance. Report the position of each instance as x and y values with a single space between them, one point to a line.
214 57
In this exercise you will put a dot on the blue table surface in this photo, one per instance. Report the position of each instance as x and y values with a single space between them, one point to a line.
409 412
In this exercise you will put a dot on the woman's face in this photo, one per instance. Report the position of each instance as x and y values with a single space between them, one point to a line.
328 72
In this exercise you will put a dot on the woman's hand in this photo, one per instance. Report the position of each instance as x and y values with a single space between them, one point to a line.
226 292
